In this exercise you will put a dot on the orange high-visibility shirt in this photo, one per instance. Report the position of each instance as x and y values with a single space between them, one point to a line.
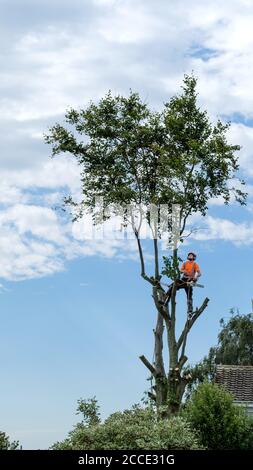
191 267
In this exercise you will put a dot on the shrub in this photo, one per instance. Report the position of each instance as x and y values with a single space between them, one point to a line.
136 428
220 423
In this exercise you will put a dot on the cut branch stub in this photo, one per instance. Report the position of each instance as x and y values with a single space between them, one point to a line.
148 365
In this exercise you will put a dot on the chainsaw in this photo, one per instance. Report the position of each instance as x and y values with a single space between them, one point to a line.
194 284
189 283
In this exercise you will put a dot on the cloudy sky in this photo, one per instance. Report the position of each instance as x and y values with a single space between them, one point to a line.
69 306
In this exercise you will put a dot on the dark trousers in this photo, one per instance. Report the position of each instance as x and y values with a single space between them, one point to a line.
182 284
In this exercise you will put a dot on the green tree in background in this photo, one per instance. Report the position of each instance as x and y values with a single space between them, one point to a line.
235 347
5 443
134 157
235 340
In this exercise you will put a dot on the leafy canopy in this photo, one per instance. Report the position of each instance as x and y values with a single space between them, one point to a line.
130 154
235 340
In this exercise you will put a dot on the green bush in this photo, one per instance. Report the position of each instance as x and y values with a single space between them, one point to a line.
136 428
220 423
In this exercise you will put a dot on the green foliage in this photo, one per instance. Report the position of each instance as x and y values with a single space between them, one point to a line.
171 267
5 443
131 155
136 428
235 340
90 410
220 423
201 372
235 347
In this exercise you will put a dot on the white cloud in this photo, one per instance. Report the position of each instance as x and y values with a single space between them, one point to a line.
70 65
124 27
22 259
35 242
39 221
10 194
243 135
56 63
51 174
105 2
214 228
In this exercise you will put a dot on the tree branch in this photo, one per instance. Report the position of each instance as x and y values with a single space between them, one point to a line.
182 361
198 312
143 273
152 396
190 323
148 365
173 293
184 345
185 193
157 275
161 309
184 221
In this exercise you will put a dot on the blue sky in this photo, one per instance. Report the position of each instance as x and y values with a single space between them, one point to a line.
75 314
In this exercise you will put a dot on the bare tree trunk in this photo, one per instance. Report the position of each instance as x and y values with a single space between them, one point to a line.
169 388
160 379
175 384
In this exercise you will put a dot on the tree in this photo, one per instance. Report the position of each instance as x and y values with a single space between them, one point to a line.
5 443
235 347
235 340
136 428
140 159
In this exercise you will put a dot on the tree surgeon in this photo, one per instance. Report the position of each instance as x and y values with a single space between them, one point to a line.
191 272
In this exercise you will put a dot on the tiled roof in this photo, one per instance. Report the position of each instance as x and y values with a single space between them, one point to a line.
238 380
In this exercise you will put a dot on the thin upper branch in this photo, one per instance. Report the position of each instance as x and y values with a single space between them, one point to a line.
184 222
198 312
136 233
143 273
157 274
190 323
